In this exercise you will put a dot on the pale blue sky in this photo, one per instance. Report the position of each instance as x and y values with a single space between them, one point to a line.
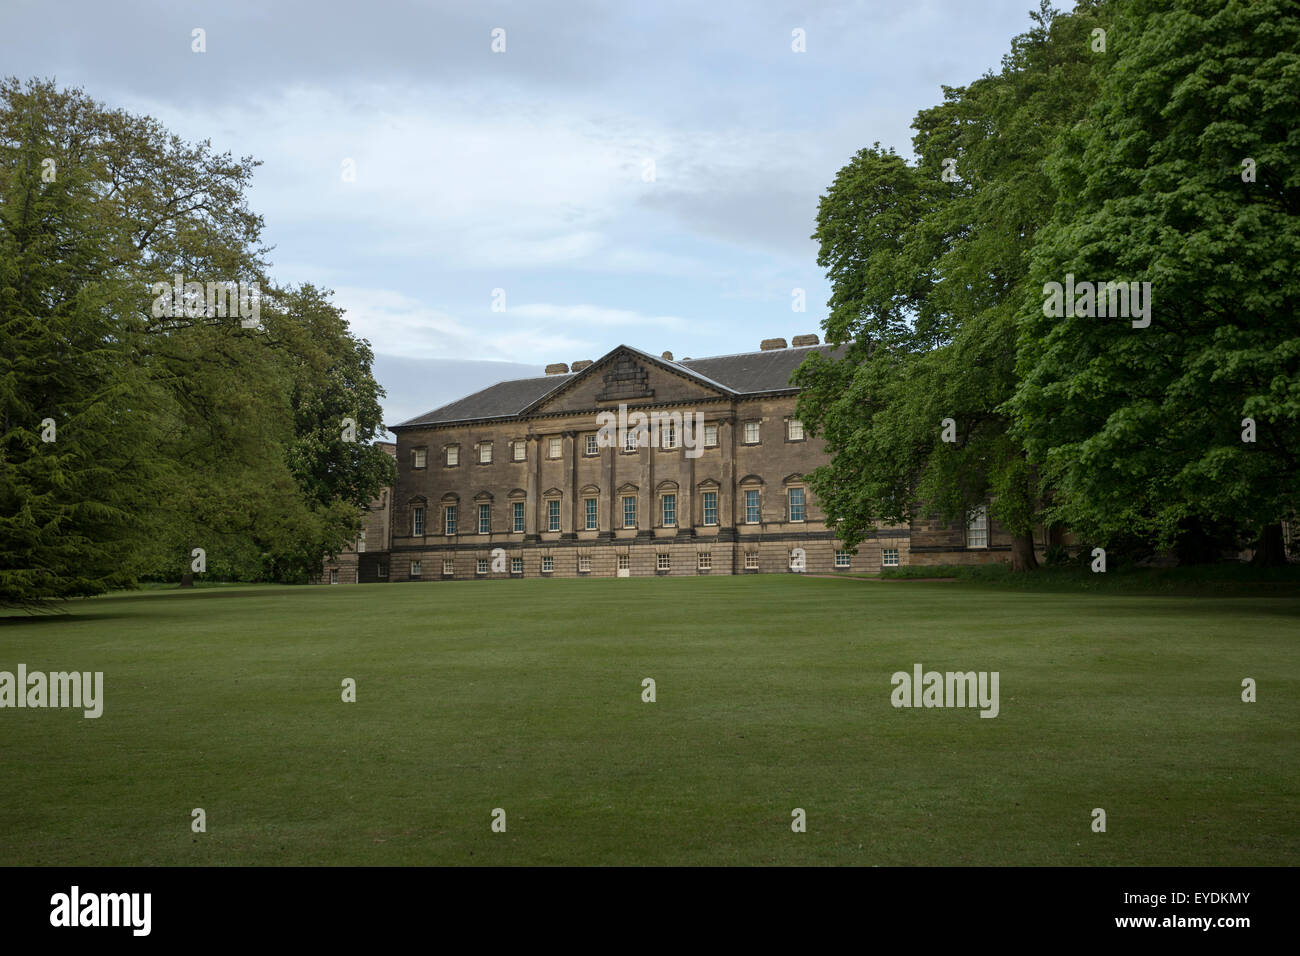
526 170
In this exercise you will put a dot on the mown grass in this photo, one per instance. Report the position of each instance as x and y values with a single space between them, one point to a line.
773 692
1236 580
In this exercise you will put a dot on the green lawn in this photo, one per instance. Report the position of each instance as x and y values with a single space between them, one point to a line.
773 693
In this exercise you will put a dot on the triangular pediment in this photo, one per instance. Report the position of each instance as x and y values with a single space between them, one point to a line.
626 375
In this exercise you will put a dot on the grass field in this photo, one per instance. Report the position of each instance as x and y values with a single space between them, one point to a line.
773 692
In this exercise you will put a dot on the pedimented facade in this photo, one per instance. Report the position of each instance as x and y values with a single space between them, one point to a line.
632 465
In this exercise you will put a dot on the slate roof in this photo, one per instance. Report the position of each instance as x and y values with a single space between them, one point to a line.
754 371
743 374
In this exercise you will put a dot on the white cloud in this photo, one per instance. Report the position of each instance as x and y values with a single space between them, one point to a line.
400 325
595 315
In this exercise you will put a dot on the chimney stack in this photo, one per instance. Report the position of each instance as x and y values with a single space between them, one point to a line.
667 356
799 341
579 365
768 345
557 368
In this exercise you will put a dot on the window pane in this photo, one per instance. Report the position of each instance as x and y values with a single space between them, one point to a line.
796 504
710 507
670 510
977 530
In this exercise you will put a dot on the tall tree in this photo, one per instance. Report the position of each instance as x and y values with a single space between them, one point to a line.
180 424
927 265
1184 175
77 411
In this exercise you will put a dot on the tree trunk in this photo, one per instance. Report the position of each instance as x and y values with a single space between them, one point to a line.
187 579
1270 550
1022 553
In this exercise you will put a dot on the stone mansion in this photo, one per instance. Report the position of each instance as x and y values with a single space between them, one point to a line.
630 465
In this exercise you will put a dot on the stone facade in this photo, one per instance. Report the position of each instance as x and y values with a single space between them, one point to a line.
528 479
375 537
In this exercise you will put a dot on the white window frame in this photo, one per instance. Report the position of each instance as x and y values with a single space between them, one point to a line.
554 513
751 560
481 566
704 561
517 517
516 565
548 564
519 450
334 575
632 499
794 429
665 512
663 561
977 528
448 567
417 521
803 504
752 433
758 507
593 444
889 557
453 456
710 436
449 517
554 448
416 568
419 457
485 453
484 512
842 558
584 562
704 503
624 562
591 512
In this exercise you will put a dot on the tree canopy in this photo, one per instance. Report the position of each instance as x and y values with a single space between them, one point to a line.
130 434
1111 146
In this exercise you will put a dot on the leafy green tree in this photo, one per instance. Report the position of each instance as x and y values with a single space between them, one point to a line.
928 265
1184 175
77 410
176 428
